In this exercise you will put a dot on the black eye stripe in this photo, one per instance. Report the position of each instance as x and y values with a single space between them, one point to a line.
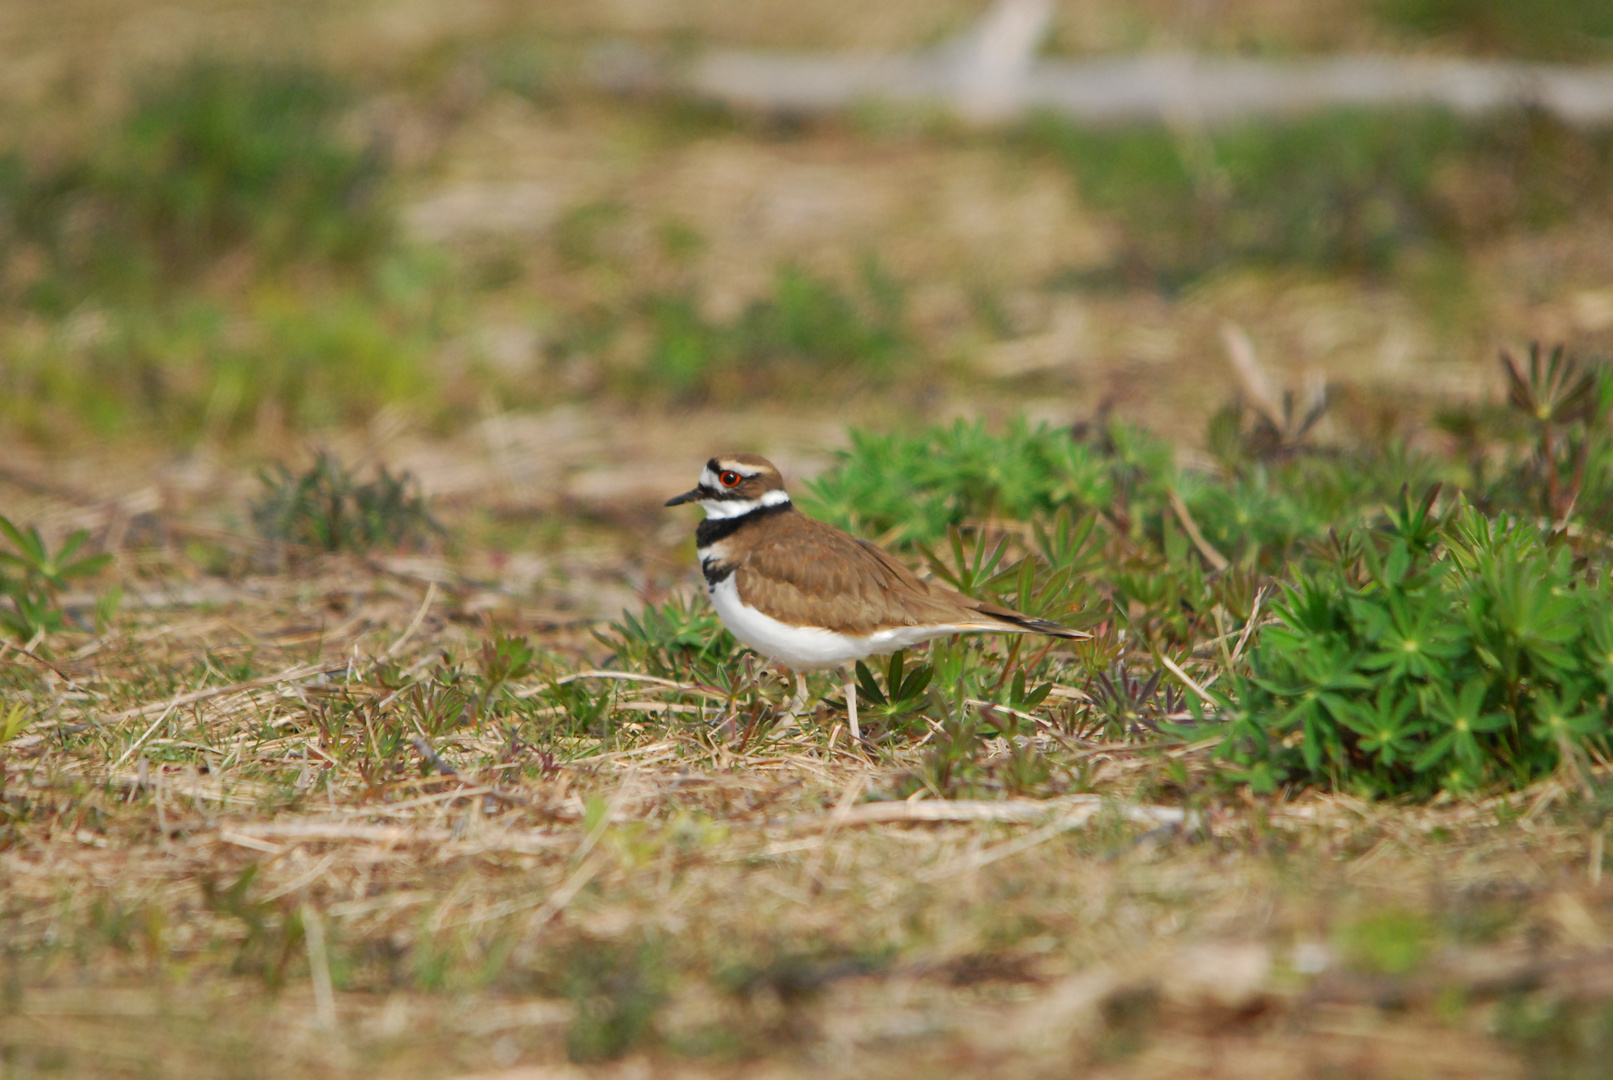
724 494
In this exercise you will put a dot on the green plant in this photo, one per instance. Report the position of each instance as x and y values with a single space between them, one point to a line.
912 487
224 254
678 640
1130 706
269 933
13 723
806 330
900 701
1547 29
1443 652
1560 407
501 660
1342 190
215 160
1412 649
326 507
1115 485
34 609
585 711
951 767
616 989
437 706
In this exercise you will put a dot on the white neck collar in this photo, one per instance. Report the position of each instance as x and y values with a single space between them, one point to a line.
732 508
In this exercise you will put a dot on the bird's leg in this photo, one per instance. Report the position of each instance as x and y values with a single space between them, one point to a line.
851 705
793 707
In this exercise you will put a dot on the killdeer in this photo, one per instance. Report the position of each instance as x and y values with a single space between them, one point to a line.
809 596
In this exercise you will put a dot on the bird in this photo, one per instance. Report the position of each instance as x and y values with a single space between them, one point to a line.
812 597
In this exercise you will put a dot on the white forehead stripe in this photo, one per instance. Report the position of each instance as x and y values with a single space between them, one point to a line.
709 479
728 466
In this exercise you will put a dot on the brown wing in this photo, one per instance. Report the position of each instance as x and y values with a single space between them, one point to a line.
993 617
810 573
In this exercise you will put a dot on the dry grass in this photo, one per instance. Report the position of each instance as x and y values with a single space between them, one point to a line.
205 874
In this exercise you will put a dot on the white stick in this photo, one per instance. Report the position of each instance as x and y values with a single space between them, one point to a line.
1187 680
419 617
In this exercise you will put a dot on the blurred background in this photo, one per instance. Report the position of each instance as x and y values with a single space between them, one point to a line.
540 252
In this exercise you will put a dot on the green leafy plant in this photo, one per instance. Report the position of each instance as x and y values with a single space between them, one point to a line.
1128 705
13 722
585 710
326 507
900 700
1443 652
1117 482
1406 645
501 660
951 766
1566 468
911 488
678 640
33 609
439 705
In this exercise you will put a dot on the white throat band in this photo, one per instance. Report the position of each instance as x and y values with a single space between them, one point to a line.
731 508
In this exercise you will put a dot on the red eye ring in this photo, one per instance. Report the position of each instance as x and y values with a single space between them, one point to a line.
729 478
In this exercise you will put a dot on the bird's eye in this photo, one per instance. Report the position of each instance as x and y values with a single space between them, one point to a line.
729 478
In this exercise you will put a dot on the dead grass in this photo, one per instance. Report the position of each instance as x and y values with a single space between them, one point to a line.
205 875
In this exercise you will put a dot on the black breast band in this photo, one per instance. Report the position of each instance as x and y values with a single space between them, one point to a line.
713 530
716 572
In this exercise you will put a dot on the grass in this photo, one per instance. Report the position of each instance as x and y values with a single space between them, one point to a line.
1342 190
807 331
1441 640
220 258
511 886
390 807
373 819
1539 29
224 261
216 160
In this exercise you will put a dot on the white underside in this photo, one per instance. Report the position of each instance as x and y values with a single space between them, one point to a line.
807 648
